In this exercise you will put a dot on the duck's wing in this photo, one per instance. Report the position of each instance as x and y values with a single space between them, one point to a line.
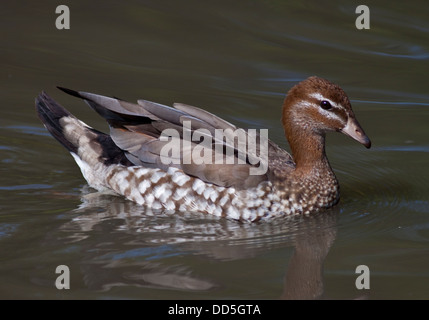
194 140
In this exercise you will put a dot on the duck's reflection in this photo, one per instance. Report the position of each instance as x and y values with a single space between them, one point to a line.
304 275
132 240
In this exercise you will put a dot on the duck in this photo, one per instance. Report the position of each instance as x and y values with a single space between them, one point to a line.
146 155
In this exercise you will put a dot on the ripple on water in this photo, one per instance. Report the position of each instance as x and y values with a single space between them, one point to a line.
25 187
385 193
7 229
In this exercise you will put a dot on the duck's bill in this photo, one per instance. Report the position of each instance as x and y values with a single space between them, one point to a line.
355 131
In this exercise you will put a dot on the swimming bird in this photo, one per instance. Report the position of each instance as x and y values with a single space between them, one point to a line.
148 155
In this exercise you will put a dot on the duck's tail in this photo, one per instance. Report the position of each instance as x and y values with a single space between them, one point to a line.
91 148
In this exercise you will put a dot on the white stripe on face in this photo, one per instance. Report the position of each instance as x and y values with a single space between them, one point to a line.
320 97
327 113
323 112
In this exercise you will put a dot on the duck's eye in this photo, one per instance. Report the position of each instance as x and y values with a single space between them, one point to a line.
325 105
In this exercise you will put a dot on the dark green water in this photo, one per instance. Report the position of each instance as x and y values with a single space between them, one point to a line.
236 59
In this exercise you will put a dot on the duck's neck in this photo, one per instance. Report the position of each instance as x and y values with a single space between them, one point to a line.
308 150
312 181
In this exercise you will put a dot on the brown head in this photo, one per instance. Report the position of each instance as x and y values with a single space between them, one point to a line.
313 107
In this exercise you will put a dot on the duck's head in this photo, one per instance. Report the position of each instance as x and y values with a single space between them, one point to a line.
315 106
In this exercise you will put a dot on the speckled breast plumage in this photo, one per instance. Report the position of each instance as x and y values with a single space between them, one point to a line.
174 190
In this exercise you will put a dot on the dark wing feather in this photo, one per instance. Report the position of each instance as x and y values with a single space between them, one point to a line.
137 129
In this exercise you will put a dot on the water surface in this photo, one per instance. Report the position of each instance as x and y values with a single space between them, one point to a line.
236 59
